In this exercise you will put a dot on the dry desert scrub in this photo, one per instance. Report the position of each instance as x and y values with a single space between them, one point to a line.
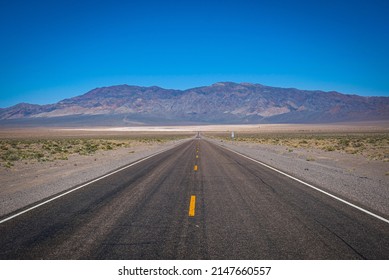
373 146
39 150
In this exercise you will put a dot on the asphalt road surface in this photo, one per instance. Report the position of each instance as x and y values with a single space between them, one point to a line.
194 201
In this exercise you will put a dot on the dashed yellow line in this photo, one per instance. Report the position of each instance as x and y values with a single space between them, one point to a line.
195 168
192 206
197 156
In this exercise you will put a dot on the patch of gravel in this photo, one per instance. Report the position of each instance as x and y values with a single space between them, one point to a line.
25 184
352 177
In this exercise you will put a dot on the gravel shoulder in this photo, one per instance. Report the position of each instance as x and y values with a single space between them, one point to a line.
25 184
352 177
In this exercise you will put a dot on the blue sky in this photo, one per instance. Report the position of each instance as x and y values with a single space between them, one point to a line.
51 50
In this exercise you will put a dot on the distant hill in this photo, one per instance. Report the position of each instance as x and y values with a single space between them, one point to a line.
221 103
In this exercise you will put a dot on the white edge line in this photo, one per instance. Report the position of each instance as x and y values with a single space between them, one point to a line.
84 185
311 186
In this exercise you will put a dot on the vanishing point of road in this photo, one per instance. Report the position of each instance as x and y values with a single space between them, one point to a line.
197 200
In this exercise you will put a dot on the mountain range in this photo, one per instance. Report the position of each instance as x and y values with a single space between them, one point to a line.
221 103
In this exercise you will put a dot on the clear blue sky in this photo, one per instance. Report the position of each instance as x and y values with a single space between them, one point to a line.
51 50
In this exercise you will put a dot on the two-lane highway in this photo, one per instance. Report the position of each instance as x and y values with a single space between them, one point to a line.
194 201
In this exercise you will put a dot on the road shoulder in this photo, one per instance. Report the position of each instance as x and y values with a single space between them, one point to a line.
25 184
348 176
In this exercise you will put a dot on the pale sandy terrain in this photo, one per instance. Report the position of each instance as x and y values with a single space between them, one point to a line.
344 127
114 131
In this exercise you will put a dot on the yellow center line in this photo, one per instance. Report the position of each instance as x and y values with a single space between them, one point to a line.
192 206
197 156
195 167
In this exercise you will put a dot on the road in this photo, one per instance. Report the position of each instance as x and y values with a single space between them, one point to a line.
194 201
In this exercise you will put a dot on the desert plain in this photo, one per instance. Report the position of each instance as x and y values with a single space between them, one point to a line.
349 159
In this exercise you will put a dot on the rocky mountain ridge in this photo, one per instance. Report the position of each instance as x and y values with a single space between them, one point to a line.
223 102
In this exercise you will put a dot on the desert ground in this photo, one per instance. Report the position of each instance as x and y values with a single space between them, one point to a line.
36 163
